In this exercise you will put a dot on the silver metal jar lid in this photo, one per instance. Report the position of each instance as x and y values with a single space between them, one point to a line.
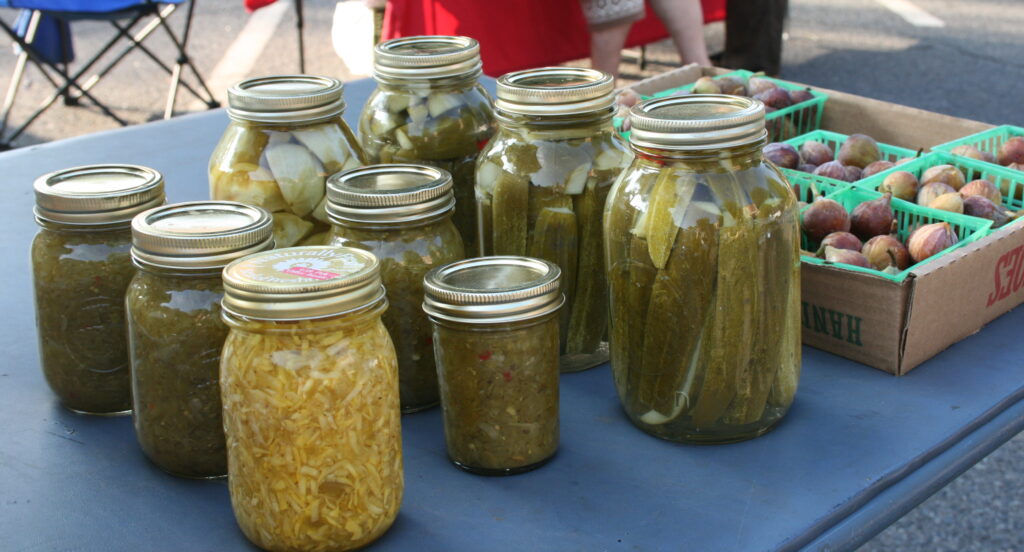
301 283
389 194
426 57
286 99
94 195
489 290
555 91
697 122
199 234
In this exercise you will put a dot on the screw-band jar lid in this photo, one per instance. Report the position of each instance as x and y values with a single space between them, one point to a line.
300 283
199 234
697 122
489 290
426 57
286 99
389 194
97 194
555 91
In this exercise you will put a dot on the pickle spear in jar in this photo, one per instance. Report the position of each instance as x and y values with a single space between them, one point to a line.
554 239
510 200
589 310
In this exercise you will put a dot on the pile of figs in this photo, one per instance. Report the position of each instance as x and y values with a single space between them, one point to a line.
944 187
858 157
867 236
1010 153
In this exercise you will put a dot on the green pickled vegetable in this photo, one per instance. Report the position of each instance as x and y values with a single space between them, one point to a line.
511 198
589 316
554 239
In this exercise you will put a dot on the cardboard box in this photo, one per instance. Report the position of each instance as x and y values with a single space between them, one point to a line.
895 326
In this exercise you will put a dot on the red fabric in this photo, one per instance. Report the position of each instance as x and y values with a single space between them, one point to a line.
517 34
253 5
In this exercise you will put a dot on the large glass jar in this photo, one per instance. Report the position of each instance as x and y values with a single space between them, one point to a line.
704 271
429 109
81 266
402 214
174 328
309 383
286 136
496 342
541 187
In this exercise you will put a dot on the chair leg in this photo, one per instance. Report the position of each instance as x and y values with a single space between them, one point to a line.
183 58
299 24
643 57
19 72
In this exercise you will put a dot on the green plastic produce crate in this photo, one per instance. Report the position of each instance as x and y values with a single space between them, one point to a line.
834 140
908 218
782 124
987 141
807 186
1009 181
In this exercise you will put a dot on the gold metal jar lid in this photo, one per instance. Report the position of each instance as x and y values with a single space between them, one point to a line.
489 290
199 234
300 283
389 194
697 122
94 195
555 91
286 99
426 57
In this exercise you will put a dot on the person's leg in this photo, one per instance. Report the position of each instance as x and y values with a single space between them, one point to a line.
606 44
753 35
685 22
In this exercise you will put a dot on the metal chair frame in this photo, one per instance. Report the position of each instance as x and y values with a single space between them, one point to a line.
67 85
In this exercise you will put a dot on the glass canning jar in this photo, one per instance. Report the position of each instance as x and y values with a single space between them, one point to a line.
541 186
402 214
429 108
309 383
175 331
704 269
496 343
285 137
81 267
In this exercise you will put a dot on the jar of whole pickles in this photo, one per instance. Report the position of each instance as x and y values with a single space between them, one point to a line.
704 270
496 342
403 215
174 328
81 266
541 186
429 109
309 384
286 136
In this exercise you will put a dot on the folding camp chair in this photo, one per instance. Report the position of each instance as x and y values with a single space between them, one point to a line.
43 39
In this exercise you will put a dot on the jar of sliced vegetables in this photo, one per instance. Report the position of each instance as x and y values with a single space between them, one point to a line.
704 270
81 267
541 187
429 109
309 384
286 136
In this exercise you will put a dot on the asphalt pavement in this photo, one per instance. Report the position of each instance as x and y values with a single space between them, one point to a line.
971 67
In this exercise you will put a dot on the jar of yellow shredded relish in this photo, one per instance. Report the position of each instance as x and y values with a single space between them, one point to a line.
309 383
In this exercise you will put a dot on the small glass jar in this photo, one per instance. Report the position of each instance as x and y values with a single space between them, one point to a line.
175 331
81 266
496 342
541 186
704 268
309 383
429 109
403 215
286 136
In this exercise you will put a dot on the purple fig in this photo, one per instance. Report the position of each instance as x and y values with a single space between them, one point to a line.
807 168
1011 151
832 169
877 167
846 256
968 151
930 239
823 217
932 190
859 150
732 86
839 240
872 218
800 95
947 174
979 206
983 188
884 251
775 97
816 153
853 174
756 85
900 184
782 155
